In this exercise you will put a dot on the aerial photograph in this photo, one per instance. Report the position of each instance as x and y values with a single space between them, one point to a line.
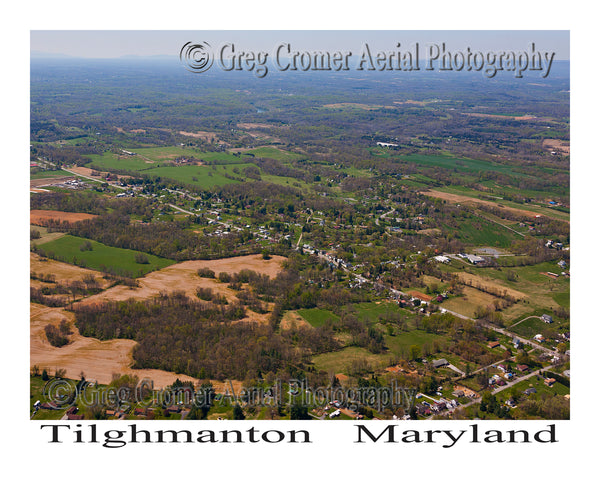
299 225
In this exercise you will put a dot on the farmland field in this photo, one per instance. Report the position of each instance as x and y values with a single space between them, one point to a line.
102 257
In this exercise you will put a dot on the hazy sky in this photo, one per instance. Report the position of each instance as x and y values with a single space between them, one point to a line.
116 43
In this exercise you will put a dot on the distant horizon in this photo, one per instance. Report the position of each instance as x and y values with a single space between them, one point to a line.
108 44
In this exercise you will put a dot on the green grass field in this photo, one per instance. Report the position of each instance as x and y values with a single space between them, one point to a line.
450 162
102 257
317 317
341 360
274 153
478 231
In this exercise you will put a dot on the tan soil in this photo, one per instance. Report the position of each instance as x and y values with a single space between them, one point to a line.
100 359
63 272
138 130
44 182
411 102
41 217
203 135
505 117
97 359
293 320
454 198
430 231
557 145
362 106
484 282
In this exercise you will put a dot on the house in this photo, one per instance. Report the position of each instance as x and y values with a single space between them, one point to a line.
493 344
335 413
458 393
73 416
503 368
442 259
539 337
174 409
508 375
442 362
549 381
522 368
547 318
562 264
516 342
474 259
530 391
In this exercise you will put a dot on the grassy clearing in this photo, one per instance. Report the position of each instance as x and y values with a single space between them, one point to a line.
455 163
341 361
45 235
274 153
113 161
102 257
318 317
477 231
195 175
401 342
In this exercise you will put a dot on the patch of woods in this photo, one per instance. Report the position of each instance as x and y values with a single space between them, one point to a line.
58 336
57 294
199 339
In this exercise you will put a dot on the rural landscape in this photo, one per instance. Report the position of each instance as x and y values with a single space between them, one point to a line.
220 246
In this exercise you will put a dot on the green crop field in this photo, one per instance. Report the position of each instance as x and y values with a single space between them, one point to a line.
102 257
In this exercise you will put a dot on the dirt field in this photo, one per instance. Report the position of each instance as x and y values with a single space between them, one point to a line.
97 359
100 359
293 320
41 217
207 136
63 272
45 182
557 145
412 102
430 231
183 277
362 106
455 198
485 282
468 304
505 117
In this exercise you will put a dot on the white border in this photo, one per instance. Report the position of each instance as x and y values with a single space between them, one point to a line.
333 454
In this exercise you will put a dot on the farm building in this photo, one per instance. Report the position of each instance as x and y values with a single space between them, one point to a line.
442 362
547 318
442 259
474 259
